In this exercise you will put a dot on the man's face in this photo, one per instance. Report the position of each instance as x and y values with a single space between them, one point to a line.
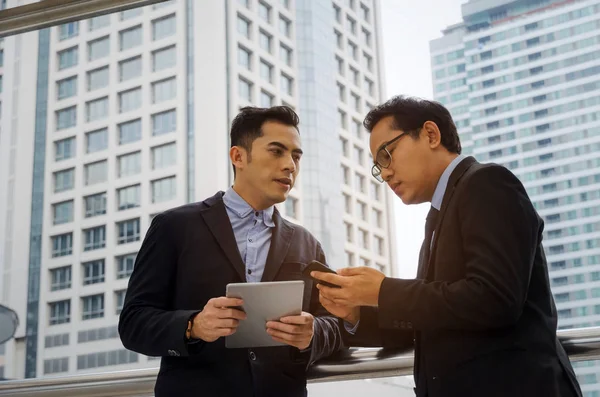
271 168
409 173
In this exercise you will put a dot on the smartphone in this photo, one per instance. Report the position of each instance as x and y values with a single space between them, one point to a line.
316 266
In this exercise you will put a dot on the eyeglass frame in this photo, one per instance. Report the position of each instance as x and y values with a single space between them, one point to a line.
377 167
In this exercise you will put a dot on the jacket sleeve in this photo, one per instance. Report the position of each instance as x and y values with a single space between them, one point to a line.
327 338
500 233
148 324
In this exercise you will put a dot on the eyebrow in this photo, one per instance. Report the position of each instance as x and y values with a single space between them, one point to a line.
282 146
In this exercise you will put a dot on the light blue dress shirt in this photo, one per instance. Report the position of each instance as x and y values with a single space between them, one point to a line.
252 230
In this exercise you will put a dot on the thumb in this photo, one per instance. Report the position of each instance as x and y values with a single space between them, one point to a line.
350 271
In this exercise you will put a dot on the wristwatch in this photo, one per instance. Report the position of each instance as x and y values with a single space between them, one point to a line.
190 324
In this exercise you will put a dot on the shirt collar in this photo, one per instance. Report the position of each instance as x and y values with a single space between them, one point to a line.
438 195
242 209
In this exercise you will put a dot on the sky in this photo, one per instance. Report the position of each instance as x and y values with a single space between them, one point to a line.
407 28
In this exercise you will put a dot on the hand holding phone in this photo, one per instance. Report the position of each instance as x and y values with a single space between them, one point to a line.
316 266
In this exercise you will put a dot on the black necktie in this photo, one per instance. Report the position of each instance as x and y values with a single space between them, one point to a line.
430 223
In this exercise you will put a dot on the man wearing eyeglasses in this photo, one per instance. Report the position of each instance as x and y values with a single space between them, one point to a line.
480 313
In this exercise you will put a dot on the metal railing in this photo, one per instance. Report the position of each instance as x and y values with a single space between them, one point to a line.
43 14
581 344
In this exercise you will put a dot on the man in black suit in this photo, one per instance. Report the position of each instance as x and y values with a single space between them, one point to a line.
480 313
175 305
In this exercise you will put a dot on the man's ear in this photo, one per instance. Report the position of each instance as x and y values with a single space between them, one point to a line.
237 155
433 133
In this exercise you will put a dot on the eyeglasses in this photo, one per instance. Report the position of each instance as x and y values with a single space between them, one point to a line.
384 158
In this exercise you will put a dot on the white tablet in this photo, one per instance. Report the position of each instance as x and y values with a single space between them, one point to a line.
263 302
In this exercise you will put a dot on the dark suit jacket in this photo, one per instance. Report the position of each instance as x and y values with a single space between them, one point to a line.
481 315
189 255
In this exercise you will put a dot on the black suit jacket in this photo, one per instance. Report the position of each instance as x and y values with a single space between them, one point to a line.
188 256
480 315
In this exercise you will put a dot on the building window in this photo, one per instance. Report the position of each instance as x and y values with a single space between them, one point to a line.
163 27
341 92
102 359
339 40
128 197
130 38
243 26
125 265
356 129
130 68
164 58
130 100
265 41
368 62
347 203
358 155
96 140
349 233
375 191
51 341
64 149
266 99
355 101
363 210
291 207
95 334
344 143
353 50
285 55
67 58
379 245
337 11
66 88
360 183
98 48
60 312
264 11
164 156
60 278
94 238
164 122
129 164
63 212
285 26
93 306
66 118
370 87
164 90
365 13
68 30
364 262
377 218
346 175
340 66
96 109
266 71
119 301
95 172
130 131
163 189
350 259
98 78
355 76
351 25
128 231
95 205
245 58
364 239
64 180
245 89
131 13
99 22
93 272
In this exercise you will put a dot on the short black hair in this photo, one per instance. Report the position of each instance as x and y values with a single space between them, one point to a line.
247 125
411 113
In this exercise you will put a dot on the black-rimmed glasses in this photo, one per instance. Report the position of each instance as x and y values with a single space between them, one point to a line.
384 158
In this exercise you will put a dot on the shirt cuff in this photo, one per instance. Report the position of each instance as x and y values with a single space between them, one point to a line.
351 329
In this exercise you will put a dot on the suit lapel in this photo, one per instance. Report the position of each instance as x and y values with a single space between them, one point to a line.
455 177
280 242
218 222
